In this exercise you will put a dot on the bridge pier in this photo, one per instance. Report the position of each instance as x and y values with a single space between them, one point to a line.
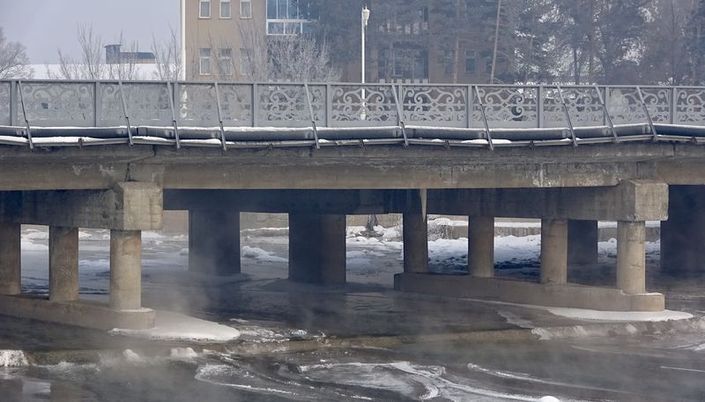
126 210
214 242
415 232
582 242
63 264
481 246
317 248
631 257
10 257
683 234
630 203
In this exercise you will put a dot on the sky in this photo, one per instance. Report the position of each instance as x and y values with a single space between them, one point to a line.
43 26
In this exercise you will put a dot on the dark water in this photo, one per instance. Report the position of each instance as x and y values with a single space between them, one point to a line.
49 362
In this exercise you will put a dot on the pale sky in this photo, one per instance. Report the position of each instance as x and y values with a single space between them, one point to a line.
44 26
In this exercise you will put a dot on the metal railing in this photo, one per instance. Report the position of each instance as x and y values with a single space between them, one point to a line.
51 103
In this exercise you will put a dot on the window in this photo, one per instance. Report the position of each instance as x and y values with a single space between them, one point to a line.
287 17
204 61
470 62
225 9
204 10
246 60
225 61
245 8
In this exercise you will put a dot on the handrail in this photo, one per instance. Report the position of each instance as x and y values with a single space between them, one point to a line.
104 103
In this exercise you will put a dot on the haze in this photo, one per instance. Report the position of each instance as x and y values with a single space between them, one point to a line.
44 26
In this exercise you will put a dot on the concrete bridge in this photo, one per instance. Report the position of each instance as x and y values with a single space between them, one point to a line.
115 155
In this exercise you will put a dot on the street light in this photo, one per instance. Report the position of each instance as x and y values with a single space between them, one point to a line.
365 17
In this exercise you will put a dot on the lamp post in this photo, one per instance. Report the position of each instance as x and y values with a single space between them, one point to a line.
364 18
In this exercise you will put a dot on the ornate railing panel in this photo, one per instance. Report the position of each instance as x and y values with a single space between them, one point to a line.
626 107
235 104
506 107
689 106
57 103
288 104
5 99
197 105
363 105
583 104
430 105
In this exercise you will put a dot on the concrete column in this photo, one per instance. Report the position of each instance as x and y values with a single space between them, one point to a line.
10 253
582 242
481 246
317 248
214 242
415 228
125 269
631 257
683 234
63 264
554 251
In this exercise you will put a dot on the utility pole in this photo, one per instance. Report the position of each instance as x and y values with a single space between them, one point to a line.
496 39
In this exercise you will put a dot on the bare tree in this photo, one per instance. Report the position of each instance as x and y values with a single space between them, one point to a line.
91 64
168 57
299 58
13 60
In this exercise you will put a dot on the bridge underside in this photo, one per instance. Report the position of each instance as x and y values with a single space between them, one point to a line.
569 189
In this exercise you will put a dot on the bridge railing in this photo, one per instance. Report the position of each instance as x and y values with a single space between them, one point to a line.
51 103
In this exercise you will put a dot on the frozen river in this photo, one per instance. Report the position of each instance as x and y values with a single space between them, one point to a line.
360 342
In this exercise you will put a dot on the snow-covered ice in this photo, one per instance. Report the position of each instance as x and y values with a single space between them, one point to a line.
174 326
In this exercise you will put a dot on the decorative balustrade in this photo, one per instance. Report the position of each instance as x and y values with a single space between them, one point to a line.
196 104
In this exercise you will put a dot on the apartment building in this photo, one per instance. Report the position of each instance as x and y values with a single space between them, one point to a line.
226 40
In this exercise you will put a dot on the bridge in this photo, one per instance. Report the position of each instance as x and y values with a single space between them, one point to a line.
115 155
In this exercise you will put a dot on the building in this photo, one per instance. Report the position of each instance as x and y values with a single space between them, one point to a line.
113 55
227 39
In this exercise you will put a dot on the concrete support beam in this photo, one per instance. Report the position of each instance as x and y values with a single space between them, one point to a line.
554 251
214 242
10 257
125 269
683 234
415 232
582 242
631 257
632 200
481 246
63 264
127 206
317 248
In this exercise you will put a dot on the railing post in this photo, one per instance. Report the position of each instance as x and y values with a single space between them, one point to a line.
220 117
607 119
567 116
312 115
13 103
469 106
648 114
673 106
124 111
400 116
254 108
488 134
96 104
24 115
539 106
170 95
329 105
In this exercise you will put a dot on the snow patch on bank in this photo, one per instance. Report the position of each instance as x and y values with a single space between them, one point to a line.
13 358
260 255
632 316
179 327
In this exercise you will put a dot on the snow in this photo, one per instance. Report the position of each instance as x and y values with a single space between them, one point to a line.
174 326
634 316
260 255
13 358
